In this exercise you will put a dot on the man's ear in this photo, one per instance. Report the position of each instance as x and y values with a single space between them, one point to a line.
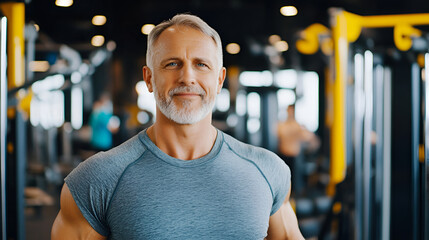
222 75
147 77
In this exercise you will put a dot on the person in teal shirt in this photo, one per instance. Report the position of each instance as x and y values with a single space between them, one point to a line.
102 124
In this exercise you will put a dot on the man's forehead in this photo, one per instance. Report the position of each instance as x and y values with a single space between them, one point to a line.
175 37
183 31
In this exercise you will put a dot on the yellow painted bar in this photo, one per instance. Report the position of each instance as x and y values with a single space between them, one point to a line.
392 20
338 154
403 34
309 44
15 13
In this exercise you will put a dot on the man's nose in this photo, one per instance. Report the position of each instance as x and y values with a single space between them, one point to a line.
188 75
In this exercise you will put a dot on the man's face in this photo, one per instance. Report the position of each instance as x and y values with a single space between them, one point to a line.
186 76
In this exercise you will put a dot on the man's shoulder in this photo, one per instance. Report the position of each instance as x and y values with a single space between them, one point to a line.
271 166
114 160
252 153
130 149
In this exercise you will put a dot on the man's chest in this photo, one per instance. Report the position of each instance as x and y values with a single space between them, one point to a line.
209 204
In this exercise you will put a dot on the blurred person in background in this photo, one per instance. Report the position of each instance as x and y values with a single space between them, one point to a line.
295 143
181 178
103 124
293 137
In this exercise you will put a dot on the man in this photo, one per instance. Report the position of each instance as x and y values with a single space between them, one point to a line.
181 178
294 139
103 123
292 136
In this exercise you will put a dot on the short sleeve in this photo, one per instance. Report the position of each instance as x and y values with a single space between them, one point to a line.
89 186
280 181
274 169
93 183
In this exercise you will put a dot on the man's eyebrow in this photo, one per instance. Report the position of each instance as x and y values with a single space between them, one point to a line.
207 60
197 59
170 59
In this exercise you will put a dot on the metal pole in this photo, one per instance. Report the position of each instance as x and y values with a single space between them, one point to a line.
387 134
378 114
415 134
367 130
3 122
359 106
426 167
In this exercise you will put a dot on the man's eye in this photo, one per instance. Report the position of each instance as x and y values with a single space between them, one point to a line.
202 65
172 64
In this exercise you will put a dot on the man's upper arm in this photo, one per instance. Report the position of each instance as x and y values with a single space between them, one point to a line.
283 224
70 223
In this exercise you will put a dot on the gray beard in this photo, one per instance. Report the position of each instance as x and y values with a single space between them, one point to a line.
184 114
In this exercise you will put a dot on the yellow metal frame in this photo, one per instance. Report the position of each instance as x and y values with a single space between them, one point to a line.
15 13
338 152
309 42
346 29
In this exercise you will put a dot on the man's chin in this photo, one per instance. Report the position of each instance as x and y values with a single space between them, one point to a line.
185 112
186 116
186 103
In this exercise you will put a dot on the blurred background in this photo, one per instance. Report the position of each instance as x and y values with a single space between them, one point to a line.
336 88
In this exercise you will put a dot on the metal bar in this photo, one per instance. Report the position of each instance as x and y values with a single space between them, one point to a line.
382 21
338 151
426 136
415 128
367 129
392 20
3 122
378 104
354 23
268 118
358 124
15 12
387 134
21 166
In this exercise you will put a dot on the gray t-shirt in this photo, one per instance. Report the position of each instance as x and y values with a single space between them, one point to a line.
136 191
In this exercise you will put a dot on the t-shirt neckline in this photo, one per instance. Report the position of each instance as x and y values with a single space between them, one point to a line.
179 162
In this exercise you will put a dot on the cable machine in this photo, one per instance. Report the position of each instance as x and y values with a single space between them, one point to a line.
386 123
378 98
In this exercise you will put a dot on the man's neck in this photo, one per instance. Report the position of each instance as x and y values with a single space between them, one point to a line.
186 142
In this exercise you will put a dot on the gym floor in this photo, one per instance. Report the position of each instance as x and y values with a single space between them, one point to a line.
39 219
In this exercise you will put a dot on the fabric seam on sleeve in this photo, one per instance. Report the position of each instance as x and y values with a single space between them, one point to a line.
120 178
241 156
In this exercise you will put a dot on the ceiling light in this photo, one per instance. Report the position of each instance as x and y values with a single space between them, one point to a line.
274 38
288 11
99 20
281 46
97 40
147 28
233 48
64 3
39 66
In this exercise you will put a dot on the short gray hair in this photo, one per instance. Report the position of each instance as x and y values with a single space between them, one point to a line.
186 20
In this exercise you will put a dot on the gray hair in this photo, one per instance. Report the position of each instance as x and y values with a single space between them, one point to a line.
183 20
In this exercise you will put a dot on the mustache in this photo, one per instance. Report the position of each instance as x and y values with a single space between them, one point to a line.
187 89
